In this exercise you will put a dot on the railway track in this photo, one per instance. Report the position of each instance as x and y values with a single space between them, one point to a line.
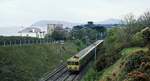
61 74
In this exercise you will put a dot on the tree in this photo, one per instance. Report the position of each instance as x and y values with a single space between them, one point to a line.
131 27
58 35
144 20
88 32
87 35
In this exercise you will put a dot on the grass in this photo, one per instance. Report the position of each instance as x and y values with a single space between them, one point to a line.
30 62
114 70
90 74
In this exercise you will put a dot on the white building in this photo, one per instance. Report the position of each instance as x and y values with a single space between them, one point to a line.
32 32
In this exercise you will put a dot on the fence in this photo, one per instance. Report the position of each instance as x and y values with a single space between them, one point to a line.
26 42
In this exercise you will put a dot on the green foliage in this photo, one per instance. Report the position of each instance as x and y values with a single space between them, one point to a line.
59 35
137 39
133 26
135 61
137 67
132 59
105 60
130 34
29 63
126 36
87 35
114 41
146 36
91 76
80 44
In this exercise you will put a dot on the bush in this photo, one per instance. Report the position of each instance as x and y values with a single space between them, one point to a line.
105 61
137 39
137 67
135 60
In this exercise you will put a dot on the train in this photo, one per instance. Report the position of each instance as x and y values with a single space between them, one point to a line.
79 60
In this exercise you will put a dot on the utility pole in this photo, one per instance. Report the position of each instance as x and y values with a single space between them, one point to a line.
10 43
20 42
4 43
95 59
61 56
95 63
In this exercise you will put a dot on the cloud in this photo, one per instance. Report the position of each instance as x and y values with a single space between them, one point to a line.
13 12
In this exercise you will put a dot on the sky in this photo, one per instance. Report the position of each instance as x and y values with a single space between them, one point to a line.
26 12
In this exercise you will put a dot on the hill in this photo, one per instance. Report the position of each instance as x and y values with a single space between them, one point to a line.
132 66
109 21
43 23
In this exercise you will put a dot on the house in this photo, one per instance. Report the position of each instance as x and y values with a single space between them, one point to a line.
32 32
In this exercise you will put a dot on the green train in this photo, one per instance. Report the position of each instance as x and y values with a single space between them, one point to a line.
78 61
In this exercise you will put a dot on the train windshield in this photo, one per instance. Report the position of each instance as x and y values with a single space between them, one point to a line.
76 63
73 63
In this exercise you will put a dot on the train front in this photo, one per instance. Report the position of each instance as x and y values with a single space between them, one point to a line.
73 64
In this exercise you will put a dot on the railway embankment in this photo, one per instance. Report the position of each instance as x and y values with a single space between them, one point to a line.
132 66
30 62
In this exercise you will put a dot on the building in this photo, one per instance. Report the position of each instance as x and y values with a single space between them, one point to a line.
52 27
32 32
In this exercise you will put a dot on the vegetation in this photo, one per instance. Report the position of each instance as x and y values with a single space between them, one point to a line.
131 60
88 33
125 55
30 62
132 34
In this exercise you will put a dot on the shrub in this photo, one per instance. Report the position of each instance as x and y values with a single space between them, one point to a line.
137 67
137 39
103 63
135 60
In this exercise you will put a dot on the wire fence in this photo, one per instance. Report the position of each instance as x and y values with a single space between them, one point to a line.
28 42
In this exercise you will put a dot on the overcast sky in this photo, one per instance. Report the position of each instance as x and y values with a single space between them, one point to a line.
26 12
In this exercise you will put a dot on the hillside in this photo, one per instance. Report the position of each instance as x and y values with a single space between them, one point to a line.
30 62
132 66
110 21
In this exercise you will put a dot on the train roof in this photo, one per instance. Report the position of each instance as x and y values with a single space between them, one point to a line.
86 50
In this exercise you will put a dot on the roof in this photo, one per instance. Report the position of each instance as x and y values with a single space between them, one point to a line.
30 30
88 49
85 51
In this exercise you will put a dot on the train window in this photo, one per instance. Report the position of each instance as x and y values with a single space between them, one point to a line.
72 63
76 63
